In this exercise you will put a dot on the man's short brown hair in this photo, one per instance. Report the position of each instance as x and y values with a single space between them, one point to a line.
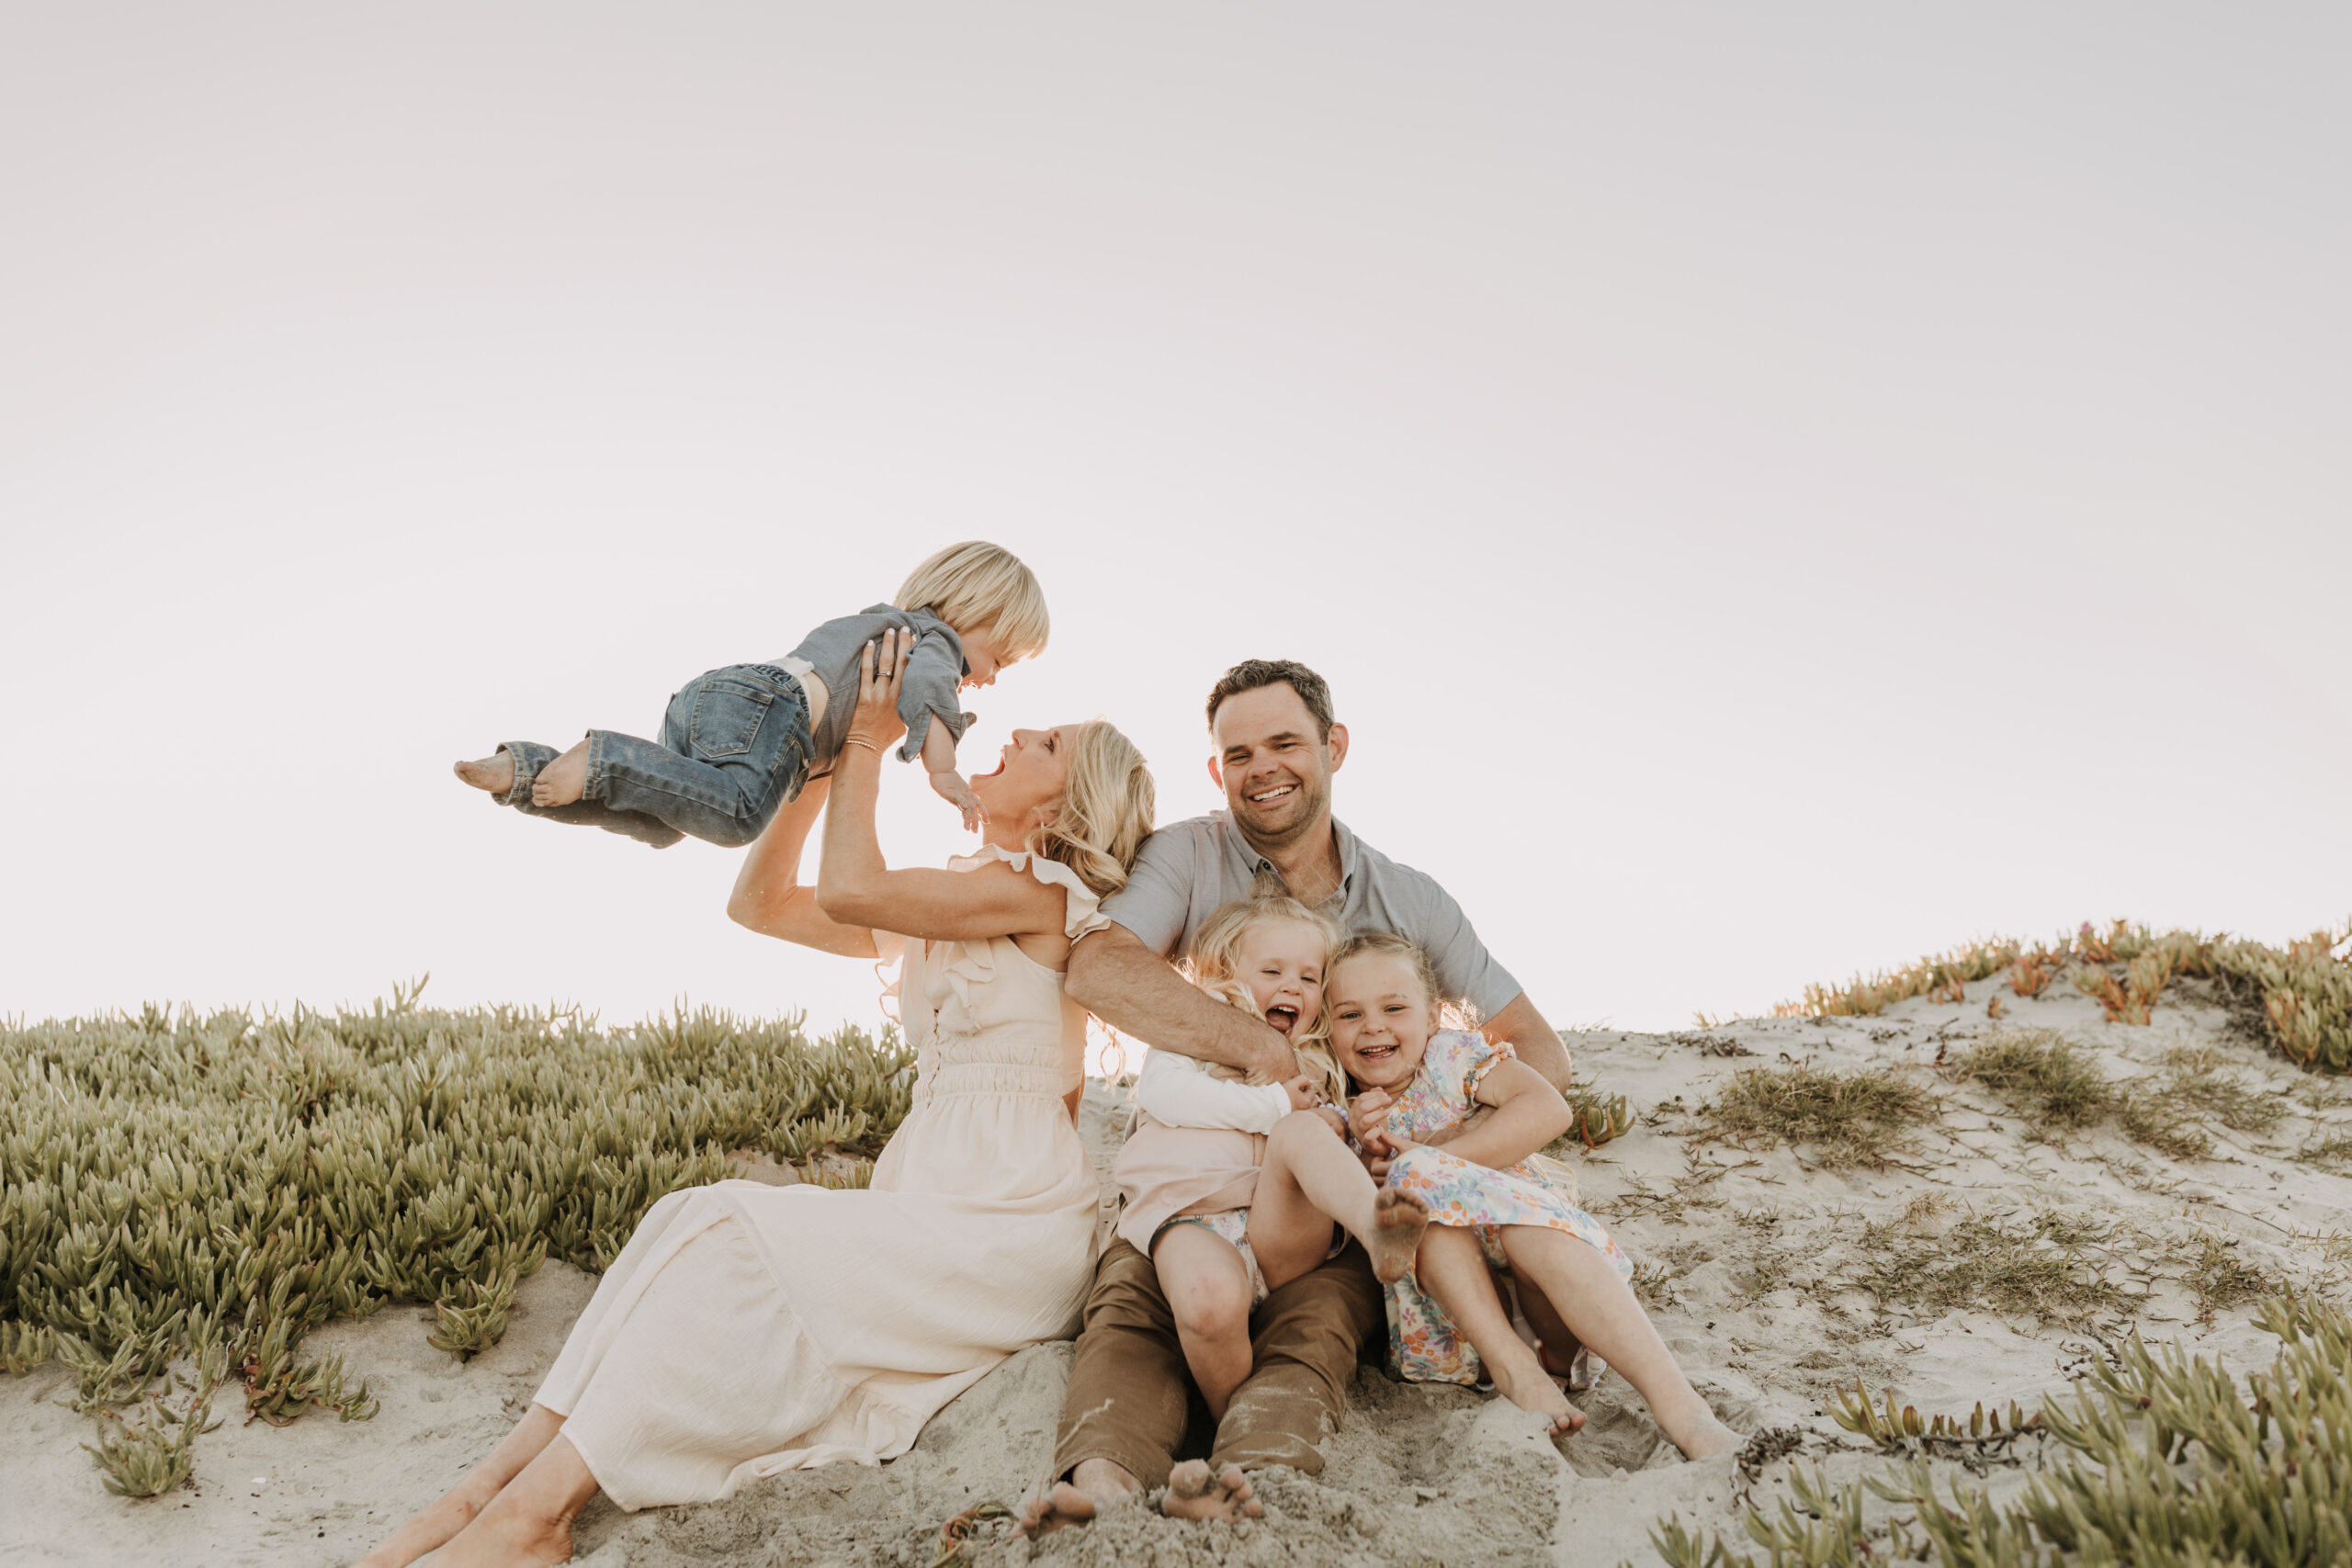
1252 673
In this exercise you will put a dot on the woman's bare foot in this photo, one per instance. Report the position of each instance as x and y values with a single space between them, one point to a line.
1397 1220
1059 1509
495 774
1194 1494
1538 1393
505 1536
562 780
436 1525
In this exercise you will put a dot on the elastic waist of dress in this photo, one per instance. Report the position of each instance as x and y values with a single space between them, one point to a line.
993 1078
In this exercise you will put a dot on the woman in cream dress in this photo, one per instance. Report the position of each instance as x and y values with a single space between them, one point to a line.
748 1329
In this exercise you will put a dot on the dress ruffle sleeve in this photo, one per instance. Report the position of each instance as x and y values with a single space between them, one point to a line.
1085 906
1475 1056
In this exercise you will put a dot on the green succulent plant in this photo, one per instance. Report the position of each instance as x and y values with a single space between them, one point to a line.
2163 1461
180 1188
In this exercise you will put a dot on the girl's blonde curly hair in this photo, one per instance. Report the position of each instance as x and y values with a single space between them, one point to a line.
1215 963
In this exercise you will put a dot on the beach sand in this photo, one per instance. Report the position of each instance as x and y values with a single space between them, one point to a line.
1751 1258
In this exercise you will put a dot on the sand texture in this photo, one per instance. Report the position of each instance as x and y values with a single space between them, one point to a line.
1778 1279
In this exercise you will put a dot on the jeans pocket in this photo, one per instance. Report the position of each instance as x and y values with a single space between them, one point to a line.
727 717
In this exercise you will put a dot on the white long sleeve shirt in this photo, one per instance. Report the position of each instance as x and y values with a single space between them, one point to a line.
1182 1092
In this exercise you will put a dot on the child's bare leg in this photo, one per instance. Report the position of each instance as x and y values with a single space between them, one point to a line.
1560 1347
1584 1287
1207 1287
469 1497
494 772
562 780
1453 1270
1309 1179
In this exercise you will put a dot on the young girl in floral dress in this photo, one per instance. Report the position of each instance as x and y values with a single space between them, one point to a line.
1233 1187
1489 1210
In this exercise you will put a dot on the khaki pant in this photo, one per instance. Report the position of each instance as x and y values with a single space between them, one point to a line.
1131 1398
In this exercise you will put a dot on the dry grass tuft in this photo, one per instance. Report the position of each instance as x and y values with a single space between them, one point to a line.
1849 1119
2219 1279
2044 1078
2200 1083
2333 1150
2048 1267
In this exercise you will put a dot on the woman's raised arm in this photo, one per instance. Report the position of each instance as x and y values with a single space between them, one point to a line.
858 887
769 895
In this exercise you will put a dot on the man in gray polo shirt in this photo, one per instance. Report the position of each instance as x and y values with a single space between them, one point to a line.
1128 1404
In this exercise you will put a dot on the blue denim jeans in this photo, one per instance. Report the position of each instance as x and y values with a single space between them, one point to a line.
734 747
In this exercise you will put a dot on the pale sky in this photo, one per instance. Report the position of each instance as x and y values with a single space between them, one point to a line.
1774 489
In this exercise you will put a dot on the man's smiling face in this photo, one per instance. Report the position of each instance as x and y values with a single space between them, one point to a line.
1273 767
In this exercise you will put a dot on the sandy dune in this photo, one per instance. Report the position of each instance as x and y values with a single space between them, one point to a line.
1751 1256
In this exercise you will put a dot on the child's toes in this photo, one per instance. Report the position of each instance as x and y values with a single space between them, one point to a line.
495 774
562 780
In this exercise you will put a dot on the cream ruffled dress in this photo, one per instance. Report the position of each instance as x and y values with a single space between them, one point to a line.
749 1330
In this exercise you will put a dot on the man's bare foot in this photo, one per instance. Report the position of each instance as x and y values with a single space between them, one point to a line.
562 780
1397 1220
495 774
1058 1509
1194 1494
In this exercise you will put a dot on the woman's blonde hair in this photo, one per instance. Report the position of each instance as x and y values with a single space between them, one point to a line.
977 586
1215 965
1105 812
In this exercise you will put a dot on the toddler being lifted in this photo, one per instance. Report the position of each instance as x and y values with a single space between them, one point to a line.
739 741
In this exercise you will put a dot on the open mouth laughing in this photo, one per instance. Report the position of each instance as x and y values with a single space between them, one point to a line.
1273 794
1284 1016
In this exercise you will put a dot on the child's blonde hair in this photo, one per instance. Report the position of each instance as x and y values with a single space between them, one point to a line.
977 586
1394 946
1217 962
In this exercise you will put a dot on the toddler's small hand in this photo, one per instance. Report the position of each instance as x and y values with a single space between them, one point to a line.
1303 1094
951 788
1369 1114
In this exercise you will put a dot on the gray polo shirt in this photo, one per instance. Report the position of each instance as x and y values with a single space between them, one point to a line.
1188 870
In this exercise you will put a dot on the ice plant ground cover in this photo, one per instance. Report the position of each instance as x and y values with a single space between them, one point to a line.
206 1190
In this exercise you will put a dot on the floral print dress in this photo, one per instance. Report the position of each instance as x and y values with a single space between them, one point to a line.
1423 1344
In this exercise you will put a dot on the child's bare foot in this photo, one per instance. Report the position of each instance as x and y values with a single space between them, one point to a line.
495 774
562 780
1708 1439
1541 1395
1397 1220
1194 1494
1058 1509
